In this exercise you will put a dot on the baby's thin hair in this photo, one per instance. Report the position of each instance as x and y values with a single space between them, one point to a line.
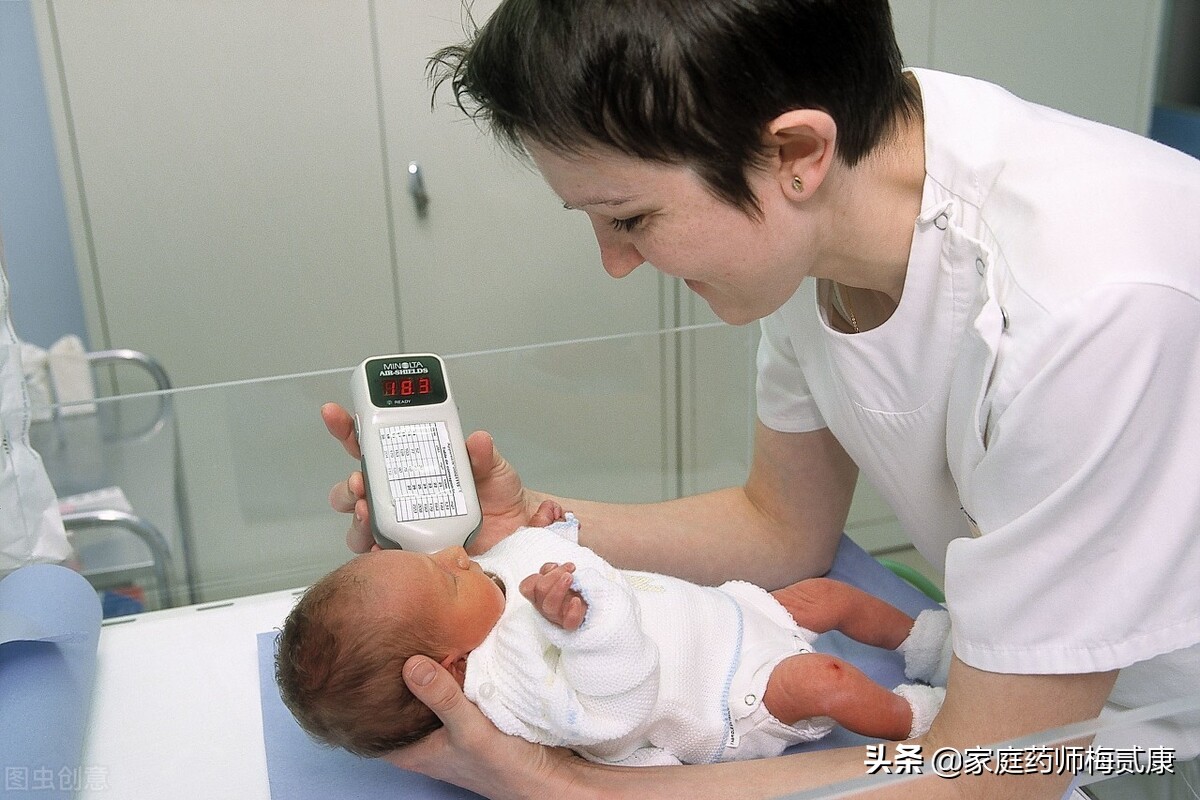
338 662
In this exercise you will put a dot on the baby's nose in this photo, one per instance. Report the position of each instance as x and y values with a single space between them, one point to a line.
458 555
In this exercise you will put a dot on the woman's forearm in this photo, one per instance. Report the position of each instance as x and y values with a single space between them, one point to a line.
707 538
781 526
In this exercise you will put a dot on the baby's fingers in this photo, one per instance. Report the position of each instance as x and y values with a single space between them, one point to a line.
557 593
547 513
574 613
550 593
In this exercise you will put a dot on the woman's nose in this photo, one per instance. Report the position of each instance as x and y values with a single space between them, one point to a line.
618 255
620 264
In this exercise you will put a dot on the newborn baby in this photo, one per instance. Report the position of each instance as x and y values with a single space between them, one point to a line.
557 646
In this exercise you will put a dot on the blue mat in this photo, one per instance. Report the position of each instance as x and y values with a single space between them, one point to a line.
300 769
1177 127
49 631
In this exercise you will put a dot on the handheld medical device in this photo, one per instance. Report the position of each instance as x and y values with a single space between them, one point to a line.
414 458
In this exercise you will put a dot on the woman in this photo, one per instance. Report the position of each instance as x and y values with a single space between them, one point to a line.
990 308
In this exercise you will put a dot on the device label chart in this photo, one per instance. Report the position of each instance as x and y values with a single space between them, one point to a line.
421 471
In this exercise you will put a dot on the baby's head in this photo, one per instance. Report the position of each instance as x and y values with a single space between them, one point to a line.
339 656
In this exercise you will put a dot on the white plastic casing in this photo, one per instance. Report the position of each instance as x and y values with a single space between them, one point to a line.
423 445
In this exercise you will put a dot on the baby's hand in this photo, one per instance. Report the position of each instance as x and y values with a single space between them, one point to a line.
551 594
547 513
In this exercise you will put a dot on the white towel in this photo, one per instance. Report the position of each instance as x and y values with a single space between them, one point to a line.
60 375
31 529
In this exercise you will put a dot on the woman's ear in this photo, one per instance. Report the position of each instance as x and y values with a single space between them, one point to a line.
803 141
456 665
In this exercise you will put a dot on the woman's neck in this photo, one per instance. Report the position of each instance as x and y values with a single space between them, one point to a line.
872 214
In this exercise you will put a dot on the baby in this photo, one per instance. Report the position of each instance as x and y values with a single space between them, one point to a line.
557 646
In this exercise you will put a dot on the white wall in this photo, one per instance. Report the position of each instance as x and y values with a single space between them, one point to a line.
1095 58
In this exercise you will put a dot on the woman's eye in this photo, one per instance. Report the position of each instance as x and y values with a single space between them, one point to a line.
626 224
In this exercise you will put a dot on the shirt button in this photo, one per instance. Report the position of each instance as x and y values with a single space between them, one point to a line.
749 699
487 690
1004 318
941 221
979 265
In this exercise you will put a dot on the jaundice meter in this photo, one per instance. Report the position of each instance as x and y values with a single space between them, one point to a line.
414 459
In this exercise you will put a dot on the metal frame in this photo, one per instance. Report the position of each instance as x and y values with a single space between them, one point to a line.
152 536
148 533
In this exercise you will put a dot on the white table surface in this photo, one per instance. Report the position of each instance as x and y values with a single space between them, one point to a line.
176 710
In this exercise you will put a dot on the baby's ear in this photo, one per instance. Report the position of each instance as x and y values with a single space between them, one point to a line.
456 666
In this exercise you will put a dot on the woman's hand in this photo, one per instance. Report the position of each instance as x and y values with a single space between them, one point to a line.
468 750
349 496
505 504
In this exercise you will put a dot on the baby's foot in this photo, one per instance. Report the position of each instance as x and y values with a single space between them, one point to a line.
925 702
927 650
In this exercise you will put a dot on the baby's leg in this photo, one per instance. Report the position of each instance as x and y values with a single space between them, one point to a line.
823 604
818 685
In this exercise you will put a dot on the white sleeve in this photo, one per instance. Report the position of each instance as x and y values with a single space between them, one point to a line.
606 679
1087 494
783 398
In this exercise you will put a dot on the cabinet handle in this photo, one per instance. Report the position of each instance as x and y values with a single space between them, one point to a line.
416 188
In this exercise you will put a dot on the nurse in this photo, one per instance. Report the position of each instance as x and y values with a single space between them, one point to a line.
990 308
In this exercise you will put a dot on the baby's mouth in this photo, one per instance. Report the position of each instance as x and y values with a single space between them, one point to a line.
496 580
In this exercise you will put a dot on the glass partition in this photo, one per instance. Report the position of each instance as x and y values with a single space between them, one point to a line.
199 494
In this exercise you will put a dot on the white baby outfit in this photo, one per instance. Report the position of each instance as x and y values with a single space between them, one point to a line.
662 671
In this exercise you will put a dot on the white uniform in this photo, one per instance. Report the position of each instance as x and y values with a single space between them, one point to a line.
1031 411
647 679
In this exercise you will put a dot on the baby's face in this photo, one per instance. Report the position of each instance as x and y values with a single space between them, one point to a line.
460 600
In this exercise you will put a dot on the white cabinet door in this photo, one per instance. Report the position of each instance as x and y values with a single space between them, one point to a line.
225 172
497 262
1094 58
496 253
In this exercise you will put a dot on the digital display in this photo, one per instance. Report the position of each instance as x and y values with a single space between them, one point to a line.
407 381
406 387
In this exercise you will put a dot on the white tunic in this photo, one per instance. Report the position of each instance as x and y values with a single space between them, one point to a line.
1031 411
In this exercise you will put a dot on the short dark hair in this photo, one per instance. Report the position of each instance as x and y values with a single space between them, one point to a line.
338 668
680 81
